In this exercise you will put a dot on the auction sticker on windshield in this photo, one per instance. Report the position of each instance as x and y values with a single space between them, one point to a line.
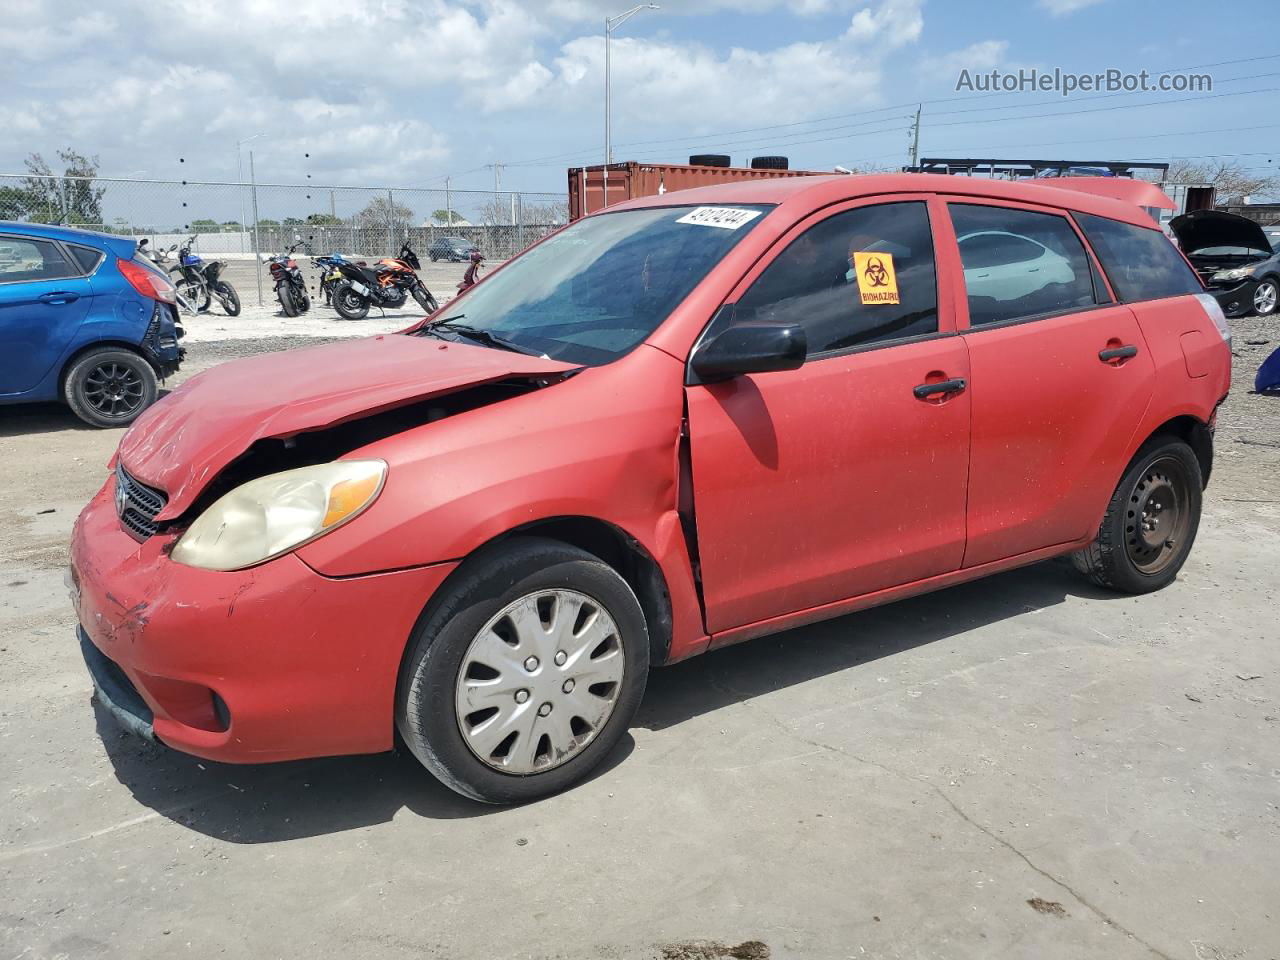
726 218
877 281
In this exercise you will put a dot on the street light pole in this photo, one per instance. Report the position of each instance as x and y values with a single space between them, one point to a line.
611 24
240 180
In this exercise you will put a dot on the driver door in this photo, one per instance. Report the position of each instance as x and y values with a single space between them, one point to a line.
837 479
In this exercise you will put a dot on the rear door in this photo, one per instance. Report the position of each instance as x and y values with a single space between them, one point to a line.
847 475
1061 376
43 300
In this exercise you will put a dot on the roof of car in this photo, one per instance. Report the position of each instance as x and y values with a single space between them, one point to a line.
120 246
819 191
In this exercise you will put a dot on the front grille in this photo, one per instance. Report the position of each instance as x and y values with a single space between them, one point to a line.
137 505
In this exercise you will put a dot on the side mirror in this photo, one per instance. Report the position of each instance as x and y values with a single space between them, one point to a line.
750 348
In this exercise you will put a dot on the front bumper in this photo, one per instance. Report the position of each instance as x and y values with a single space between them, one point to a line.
272 663
1236 297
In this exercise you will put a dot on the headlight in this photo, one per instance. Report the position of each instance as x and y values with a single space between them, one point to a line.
1236 273
277 513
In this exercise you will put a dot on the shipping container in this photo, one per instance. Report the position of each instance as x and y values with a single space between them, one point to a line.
629 180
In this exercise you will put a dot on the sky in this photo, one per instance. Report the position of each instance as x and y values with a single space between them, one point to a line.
409 92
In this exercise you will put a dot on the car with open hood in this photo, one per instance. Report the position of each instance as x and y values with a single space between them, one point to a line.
1235 257
679 423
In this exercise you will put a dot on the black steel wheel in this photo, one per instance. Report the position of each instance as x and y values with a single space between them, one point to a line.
110 388
349 304
1151 521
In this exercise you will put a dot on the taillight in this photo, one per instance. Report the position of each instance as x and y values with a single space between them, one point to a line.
147 282
1214 310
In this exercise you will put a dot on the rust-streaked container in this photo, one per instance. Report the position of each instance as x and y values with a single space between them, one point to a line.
629 180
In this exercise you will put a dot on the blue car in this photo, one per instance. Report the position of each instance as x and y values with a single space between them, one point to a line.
83 319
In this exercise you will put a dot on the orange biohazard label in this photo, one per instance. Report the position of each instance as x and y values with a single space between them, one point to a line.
877 282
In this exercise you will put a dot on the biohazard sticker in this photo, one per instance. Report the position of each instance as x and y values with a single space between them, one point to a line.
877 282
726 218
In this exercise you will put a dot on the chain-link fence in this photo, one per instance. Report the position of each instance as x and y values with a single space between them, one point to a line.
253 218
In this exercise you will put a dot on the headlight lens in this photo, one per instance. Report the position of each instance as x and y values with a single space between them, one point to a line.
277 513
1236 273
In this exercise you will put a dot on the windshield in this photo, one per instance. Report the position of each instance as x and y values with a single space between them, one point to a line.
599 287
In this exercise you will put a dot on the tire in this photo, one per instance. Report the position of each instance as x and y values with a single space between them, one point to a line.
1266 297
769 163
709 160
109 387
434 258
285 293
425 300
349 304
228 297
1163 486
302 299
442 671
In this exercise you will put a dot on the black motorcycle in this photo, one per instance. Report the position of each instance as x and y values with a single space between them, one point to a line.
388 283
291 287
200 281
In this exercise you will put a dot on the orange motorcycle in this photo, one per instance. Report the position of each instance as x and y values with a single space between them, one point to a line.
388 283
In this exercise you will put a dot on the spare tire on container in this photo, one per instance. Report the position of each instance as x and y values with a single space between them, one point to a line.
769 163
709 160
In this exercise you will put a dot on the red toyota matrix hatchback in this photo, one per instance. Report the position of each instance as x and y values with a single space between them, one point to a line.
681 422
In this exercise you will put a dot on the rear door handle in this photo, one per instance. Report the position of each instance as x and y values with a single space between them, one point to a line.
59 296
926 390
1117 353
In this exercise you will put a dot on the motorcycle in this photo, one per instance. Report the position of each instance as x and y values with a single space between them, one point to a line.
200 282
387 284
161 260
330 276
291 287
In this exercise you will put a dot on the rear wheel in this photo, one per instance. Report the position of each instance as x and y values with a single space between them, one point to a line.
109 388
228 297
1266 295
1151 521
349 304
285 293
302 299
526 672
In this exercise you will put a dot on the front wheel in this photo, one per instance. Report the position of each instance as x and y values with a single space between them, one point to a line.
525 673
228 297
109 388
349 304
1266 295
425 300
1150 523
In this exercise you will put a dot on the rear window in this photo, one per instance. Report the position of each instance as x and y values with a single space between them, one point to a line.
1141 263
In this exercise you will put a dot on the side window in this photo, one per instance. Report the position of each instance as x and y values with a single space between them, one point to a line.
22 259
859 277
1020 264
86 257
1141 262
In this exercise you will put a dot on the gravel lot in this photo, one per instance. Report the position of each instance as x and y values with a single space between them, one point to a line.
1019 767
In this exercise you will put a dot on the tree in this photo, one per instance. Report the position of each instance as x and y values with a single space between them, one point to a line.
1230 178
205 226
268 223
443 216
67 198
383 214
323 220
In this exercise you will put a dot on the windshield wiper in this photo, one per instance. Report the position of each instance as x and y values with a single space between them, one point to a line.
482 336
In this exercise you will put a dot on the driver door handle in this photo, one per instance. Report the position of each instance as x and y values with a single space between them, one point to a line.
59 296
925 390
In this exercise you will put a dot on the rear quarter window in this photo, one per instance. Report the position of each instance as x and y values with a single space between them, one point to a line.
86 257
1141 263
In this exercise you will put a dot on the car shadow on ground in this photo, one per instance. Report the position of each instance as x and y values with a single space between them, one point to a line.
284 801
22 419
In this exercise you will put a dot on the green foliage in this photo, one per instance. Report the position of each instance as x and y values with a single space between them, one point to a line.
45 197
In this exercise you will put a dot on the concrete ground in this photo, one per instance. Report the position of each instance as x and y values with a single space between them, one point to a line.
1020 767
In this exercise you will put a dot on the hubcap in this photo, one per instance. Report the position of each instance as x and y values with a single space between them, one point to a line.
114 389
539 681
1264 297
1157 519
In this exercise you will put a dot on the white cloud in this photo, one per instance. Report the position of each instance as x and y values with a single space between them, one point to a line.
1061 8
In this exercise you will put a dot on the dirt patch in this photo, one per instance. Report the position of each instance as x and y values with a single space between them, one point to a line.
711 950
1048 907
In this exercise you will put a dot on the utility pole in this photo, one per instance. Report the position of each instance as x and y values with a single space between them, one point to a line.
497 183
610 23
257 250
448 200
915 137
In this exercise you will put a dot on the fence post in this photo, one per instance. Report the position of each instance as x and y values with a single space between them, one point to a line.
257 249
391 217
520 221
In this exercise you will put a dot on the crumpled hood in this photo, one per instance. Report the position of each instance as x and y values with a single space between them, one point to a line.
1201 229
186 439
